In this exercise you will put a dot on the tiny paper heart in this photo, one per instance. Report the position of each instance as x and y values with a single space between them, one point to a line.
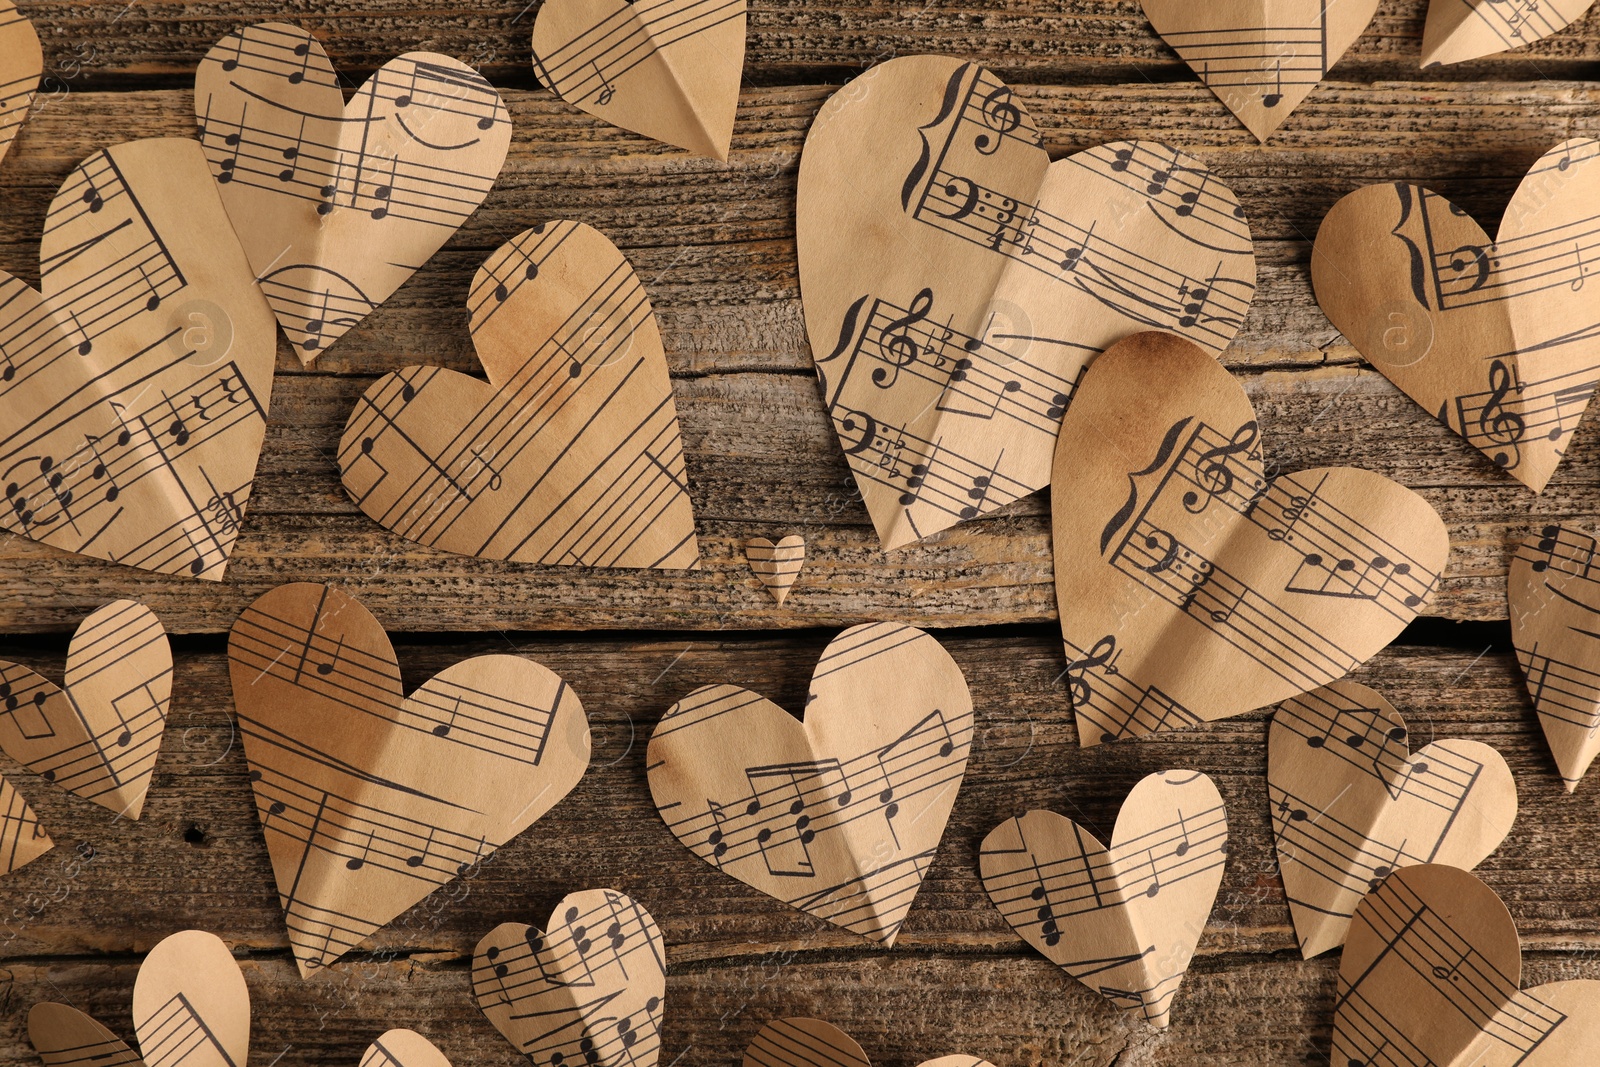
1261 58
777 565
21 64
1431 974
337 205
814 1043
839 816
669 69
588 989
22 839
1459 30
569 454
403 1048
956 282
338 756
133 391
1495 339
1125 920
1192 587
1349 806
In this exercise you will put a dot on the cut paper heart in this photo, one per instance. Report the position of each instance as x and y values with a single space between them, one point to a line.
569 454
403 1048
668 69
814 1043
776 565
134 388
1350 804
1459 30
63 1036
1123 920
1191 586
956 282
338 756
1495 339
588 989
1261 58
22 839
1431 974
338 204
841 815
21 64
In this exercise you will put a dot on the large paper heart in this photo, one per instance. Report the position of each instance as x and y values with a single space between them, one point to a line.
403 1048
814 1043
1261 57
337 756
588 989
669 69
337 205
1495 339
956 282
1191 586
839 816
21 64
570 453
1431 974
99 737
1459 30
1122 920
776 565
1350 804
133 391
22 839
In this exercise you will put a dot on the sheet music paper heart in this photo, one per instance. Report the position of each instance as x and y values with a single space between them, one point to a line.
1123 920
839 815
1350 804
668 69
338 756
22 839
403 1048
956 282
1459 30
1431 973
814 1043
587 989
134 384
569 454
63 1036
1494 338
338 204
1191 587
777 565
21 65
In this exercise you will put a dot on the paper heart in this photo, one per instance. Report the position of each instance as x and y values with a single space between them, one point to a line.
337 205
403 1048
1122 920
63 1036
1191 587
588 989
22 839
21 64
956 282
1495 339
814 1043
1350 804
570 453
669 69
134 390
1431 975
1459 30
1260 58
839 816
776 565
337 756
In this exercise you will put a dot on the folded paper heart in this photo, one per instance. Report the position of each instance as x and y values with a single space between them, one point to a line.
569 454
669 69
841 815
339 757
956 282
776 565
22 839
134 385
1123 920
814 1043
338 204
1431 974
1350 804
21 64
587 989
1494 338
1459 30
1193 587
403 1048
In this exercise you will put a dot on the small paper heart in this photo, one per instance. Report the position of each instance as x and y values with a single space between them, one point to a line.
63 1036
814 1043
403 1048
22 839
191 1007
1458 30
777 565
21 64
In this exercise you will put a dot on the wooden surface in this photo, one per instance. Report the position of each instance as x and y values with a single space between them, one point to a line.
714 247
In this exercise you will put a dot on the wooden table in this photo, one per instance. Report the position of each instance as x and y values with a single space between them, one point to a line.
714 247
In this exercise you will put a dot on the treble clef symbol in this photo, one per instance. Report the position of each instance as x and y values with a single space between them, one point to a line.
1001 116
1500 426
1212 469
896 343
1103 654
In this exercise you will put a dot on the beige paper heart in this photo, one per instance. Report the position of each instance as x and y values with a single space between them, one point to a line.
1261 57
22 839
841 815
776 565
338 756
956 282
1431 974
63 1036
669 69
99 737
338 204
403 1048
1459 30
1192 587
588 989
1350 804
569 454
1495 339
814 1043
21 64
134 390
1122 920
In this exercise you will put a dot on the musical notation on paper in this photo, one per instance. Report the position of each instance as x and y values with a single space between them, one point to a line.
63 1036
1459 30
191 1007
22 839
803 1043
776 565
403 1048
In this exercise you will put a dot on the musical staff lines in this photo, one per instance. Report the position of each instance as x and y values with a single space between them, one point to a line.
1459 30
176 1033
803 1043
403 1048
22 839
776 565
65 1037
